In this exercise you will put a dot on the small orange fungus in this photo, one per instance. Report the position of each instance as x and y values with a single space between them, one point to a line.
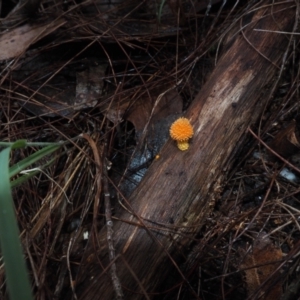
181 131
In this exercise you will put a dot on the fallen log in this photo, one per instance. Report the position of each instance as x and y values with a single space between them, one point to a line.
178 192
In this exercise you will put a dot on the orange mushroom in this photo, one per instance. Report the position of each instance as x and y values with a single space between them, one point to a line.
181 131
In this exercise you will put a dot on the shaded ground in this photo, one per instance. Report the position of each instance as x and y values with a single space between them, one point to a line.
98 68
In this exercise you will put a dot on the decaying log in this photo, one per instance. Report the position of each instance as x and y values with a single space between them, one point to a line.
176 195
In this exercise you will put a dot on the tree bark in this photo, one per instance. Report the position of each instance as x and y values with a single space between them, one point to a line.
178 192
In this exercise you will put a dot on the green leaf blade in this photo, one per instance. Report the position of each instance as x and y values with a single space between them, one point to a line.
15 269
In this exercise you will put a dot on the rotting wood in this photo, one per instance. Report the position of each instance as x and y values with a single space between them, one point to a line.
179 189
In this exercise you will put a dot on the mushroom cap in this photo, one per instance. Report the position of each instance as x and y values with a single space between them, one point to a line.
183 145
181 130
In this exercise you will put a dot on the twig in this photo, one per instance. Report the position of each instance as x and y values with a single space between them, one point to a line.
276 31
274 152
258 210
98 174
109 227
69 267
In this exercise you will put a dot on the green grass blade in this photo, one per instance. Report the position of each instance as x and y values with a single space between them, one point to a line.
15 269
27 176
26 162
160 10
23 179
19 144
30 144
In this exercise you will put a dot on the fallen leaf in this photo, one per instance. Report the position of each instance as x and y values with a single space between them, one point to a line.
16 41
260 264
52 101
145 112
286 143
89 86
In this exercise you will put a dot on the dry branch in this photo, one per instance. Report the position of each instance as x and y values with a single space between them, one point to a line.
178 192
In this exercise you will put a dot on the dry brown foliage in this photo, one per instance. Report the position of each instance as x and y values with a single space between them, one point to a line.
93 71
